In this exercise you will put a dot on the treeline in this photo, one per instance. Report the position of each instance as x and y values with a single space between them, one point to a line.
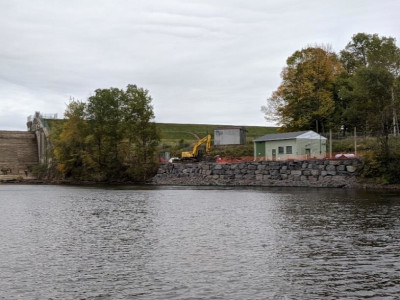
359 87
110 137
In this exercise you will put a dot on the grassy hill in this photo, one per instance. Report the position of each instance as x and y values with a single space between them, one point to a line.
173 132
178 137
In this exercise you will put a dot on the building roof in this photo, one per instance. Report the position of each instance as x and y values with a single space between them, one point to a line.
308 134
230 127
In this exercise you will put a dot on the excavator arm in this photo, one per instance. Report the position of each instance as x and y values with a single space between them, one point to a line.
207 140
194 153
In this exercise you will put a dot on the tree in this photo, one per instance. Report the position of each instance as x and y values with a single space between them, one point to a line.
69 141
141 132
371 94
106 129
371 89
306 97
111 137
370 50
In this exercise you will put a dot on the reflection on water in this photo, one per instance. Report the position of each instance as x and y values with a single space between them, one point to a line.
202 243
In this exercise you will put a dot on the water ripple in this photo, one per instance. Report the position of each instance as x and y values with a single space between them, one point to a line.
203 243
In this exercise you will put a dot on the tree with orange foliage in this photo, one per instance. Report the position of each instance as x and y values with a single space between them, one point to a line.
306 97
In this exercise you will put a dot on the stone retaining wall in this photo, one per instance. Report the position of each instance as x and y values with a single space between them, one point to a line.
317 173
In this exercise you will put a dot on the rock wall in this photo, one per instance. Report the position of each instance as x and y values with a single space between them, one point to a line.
317 173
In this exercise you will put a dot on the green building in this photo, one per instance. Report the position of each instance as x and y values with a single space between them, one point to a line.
290 145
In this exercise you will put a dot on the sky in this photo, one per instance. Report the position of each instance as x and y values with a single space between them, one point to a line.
202 61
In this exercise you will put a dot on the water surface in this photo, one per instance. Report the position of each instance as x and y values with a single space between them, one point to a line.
198 243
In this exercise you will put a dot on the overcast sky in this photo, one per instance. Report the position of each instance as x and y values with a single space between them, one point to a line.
203 61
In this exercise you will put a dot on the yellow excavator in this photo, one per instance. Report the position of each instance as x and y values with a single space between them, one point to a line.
194 154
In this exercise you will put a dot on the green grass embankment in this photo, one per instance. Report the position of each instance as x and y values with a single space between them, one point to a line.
176 138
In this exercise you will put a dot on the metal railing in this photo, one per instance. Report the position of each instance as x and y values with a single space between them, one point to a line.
42 116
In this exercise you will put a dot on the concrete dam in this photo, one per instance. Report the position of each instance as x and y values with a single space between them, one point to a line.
22 151
18 153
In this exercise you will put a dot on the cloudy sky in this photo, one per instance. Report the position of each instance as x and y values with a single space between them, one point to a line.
203 61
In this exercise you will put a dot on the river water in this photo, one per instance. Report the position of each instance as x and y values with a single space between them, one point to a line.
62 242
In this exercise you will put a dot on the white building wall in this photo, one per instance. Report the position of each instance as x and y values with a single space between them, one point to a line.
226 137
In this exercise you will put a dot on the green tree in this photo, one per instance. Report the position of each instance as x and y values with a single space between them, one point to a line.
111 137
69 142
370 50
372 91
306 97
106 127
140 130
371 88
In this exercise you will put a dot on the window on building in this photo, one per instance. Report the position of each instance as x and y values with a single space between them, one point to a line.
288 149
281 150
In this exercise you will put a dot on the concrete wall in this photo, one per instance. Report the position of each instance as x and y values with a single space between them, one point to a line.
322 173
317 149
37 125
18 152
229 136
275 145
315 146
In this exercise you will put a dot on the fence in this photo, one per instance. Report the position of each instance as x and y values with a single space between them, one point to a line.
357 142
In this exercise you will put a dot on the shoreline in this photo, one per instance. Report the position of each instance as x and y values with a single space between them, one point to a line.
369 186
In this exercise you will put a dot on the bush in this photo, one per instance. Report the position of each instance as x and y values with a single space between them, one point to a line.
391 168
382 165
44 171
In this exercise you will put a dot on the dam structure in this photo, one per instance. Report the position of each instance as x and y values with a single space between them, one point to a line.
22 151
18 154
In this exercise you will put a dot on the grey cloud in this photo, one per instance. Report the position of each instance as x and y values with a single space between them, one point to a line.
202 61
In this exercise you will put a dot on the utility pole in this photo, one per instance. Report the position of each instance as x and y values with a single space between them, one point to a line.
320 151
330 143
355 141
395 120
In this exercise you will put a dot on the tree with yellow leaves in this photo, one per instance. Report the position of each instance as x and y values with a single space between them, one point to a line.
306 97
